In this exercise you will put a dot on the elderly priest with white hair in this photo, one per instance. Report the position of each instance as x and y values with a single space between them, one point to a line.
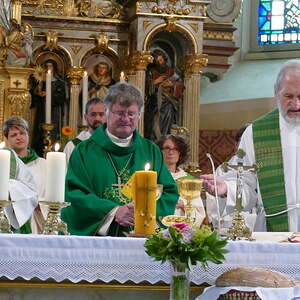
273 143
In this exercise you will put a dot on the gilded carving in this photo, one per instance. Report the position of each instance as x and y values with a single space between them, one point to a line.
19 101
195 27
75 48
75 74
69 9
170 24
138 61
171 10
218 35
146 24
101 42
1 106
193 63
74 8
203 10
138 6
52 40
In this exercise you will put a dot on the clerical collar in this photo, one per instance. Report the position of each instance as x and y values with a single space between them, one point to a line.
119 142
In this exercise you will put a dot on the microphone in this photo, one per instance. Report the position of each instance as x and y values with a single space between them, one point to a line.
216 194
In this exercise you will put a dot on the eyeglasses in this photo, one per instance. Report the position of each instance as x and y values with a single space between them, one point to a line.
122 114
168 149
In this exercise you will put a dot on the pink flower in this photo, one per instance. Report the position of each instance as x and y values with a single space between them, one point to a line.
181 227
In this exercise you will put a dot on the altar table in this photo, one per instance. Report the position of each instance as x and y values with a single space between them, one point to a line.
94 260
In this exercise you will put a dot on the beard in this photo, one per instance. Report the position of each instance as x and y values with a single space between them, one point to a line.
284 113
95 125
161 68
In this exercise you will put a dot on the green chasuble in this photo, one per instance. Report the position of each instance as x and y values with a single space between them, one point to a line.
90 174
268 156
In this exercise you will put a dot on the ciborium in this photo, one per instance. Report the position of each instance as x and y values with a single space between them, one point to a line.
53 224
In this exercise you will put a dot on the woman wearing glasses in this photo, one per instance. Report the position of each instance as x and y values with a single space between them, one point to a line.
175 151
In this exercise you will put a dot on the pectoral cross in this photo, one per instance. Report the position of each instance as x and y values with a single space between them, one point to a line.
239 228
119 186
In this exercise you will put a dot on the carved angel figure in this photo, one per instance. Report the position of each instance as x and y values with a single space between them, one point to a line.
27 43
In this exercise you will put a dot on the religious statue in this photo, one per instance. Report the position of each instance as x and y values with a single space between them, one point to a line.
14 43
100 80
27 43
164 91
59 103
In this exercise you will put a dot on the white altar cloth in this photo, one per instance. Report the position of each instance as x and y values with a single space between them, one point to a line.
90 259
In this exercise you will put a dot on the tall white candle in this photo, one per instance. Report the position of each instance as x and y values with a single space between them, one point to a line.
55 176
48 96
4 173
84 95
122 77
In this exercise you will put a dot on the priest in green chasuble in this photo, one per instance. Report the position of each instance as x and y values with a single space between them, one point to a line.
100 165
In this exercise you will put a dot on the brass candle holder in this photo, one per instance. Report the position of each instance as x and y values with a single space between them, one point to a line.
54 225
47 140
4 223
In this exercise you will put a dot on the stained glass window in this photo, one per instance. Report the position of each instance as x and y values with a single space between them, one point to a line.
278 22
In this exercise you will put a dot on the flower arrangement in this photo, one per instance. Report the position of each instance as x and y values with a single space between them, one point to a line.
66 134
187 245
184 245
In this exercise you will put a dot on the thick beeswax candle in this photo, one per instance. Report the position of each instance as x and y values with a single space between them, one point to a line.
145 202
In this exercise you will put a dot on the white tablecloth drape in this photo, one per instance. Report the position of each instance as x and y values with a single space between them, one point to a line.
106 259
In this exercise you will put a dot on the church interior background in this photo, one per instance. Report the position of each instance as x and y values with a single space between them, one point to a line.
206 43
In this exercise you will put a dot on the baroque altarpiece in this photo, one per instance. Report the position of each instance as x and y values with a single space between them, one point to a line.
192 37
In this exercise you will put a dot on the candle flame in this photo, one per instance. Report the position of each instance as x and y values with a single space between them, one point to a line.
49 72
85 73
147 167
122 77
56 147
2 145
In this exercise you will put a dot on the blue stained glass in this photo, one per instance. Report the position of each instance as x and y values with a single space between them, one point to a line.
285 21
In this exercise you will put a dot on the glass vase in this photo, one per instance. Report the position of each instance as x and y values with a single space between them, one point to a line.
180 281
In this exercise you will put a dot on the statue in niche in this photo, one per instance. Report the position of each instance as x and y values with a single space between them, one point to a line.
59 103
27 43
14 43
164 92
100 80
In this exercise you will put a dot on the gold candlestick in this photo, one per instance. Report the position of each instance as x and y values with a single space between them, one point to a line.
4 223
48 143
54 225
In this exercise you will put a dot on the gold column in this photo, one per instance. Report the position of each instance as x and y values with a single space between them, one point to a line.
137 63
192 65
17 10
74 74
15 99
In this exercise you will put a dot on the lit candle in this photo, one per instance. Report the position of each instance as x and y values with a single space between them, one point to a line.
122 77
145 201
4 172
55 176
48 96
84 95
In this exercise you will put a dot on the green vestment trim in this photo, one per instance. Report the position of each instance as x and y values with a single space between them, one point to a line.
76 141
26 228
30 157
90 173
268 155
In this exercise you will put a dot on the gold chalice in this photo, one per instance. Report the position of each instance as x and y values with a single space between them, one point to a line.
189 189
